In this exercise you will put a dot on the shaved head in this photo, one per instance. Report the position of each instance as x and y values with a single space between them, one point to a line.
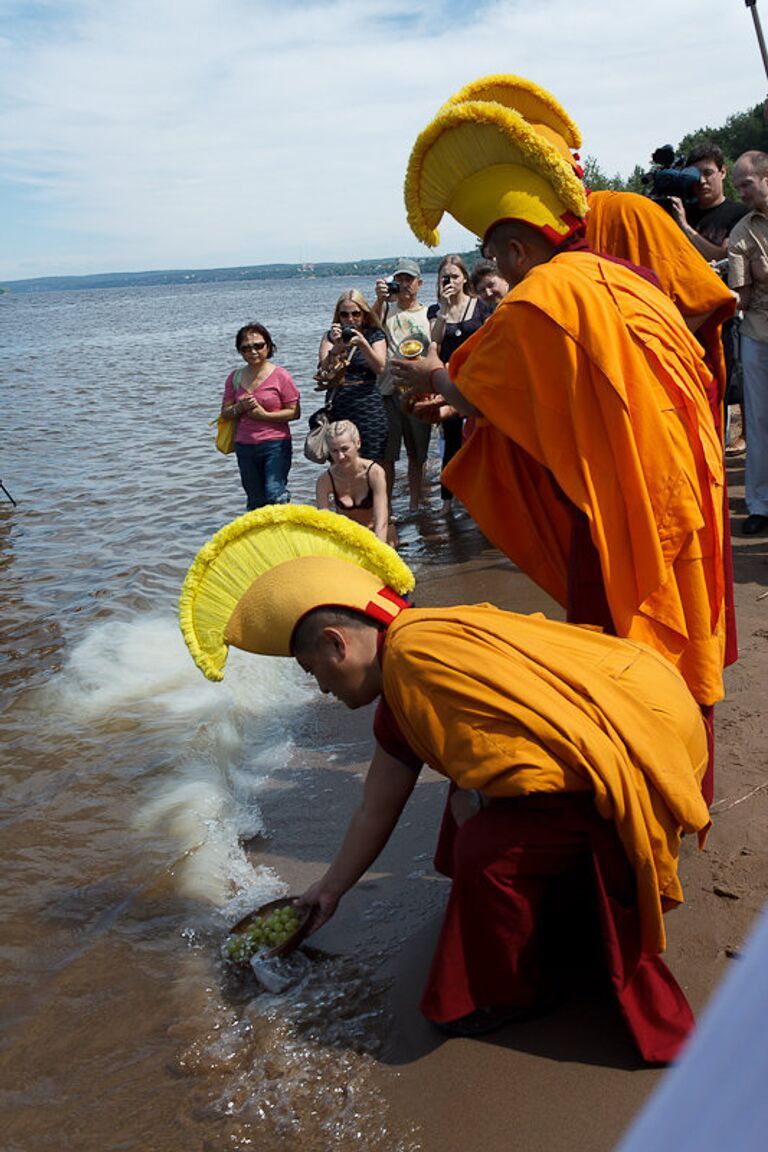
339 647
757 161
307 633
517 247
526 234
750 179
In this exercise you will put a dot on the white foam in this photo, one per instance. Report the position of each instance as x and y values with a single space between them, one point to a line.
206 806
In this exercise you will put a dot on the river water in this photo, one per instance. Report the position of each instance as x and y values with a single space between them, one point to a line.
129 783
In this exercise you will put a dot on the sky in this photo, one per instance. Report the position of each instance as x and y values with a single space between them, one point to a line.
150 134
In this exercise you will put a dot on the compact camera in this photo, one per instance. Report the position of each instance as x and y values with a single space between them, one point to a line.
393 287
347 333
445 280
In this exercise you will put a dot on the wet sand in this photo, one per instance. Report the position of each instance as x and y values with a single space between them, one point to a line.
570 1080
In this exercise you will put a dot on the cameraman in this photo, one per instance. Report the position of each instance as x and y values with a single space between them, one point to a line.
708 223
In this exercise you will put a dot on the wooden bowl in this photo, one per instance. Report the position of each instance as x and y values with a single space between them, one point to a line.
262 913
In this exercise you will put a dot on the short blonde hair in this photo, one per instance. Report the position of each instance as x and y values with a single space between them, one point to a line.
343 428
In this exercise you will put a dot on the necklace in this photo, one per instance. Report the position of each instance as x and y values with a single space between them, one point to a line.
458 323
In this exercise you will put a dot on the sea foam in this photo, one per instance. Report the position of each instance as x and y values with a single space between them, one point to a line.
222 740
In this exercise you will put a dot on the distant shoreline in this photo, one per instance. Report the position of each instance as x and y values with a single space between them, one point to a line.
247 272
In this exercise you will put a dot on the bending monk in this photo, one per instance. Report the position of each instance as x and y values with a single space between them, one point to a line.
577 756
594 464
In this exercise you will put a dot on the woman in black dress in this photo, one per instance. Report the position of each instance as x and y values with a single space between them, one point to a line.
356 339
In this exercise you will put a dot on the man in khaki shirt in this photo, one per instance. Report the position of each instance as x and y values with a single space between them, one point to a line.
748 275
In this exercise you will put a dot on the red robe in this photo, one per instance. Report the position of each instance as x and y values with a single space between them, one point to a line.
591 751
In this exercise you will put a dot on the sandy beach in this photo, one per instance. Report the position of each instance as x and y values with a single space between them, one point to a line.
570 1080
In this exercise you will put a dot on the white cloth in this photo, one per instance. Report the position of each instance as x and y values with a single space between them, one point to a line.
715 1099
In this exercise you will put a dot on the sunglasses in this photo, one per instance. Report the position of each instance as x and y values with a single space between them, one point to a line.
253 347
351 314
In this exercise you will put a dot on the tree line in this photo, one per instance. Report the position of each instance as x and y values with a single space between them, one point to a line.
741 132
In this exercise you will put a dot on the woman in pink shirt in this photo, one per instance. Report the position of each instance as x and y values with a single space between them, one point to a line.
263 399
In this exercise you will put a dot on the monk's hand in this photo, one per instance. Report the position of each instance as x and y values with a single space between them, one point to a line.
416 375
322 902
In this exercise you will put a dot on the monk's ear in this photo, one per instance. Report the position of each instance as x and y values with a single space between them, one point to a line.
517 249
332 644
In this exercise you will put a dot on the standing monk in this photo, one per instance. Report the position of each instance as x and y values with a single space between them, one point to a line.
594 464
629 227
577 758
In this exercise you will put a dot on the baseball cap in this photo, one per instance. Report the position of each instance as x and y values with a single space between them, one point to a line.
408 267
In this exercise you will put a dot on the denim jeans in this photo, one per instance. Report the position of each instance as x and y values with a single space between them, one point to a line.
264 469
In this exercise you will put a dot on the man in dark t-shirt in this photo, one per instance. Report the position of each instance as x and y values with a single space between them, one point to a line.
708 222
714 223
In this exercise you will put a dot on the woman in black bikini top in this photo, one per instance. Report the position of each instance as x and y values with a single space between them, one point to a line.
347 503
352 486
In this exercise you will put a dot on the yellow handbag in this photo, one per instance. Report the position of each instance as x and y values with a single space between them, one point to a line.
226 426
225 434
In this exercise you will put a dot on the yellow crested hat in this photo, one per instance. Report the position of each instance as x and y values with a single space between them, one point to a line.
538 108
482 162
252 583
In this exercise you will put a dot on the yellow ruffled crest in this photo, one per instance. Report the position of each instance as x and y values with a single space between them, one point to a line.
533 102
468 139
226 567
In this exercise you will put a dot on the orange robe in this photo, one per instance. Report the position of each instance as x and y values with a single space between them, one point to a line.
586 374
634 228
513 705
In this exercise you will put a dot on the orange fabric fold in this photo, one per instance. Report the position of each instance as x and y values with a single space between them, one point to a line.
513 705
634 228
586 374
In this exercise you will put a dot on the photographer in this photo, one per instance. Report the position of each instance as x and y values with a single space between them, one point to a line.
708 223
402 316
352 354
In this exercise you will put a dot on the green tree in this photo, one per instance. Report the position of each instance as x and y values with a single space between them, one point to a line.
741 132
597 180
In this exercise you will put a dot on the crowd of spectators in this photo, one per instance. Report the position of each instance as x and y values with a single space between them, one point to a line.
356 351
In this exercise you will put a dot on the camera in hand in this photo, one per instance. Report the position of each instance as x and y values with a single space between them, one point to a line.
347 333
445 280
669 177
393 287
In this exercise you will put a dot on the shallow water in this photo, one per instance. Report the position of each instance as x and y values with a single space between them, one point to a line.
129 783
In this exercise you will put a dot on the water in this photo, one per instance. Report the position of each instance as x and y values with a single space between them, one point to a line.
129 783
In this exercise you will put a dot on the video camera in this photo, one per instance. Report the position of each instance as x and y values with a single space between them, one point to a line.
670 177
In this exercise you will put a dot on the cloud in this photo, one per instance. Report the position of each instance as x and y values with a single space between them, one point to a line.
218 132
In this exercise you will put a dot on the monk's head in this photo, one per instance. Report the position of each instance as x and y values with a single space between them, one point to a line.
339 647
516 247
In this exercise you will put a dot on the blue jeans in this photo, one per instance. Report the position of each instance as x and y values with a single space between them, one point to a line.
264 471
